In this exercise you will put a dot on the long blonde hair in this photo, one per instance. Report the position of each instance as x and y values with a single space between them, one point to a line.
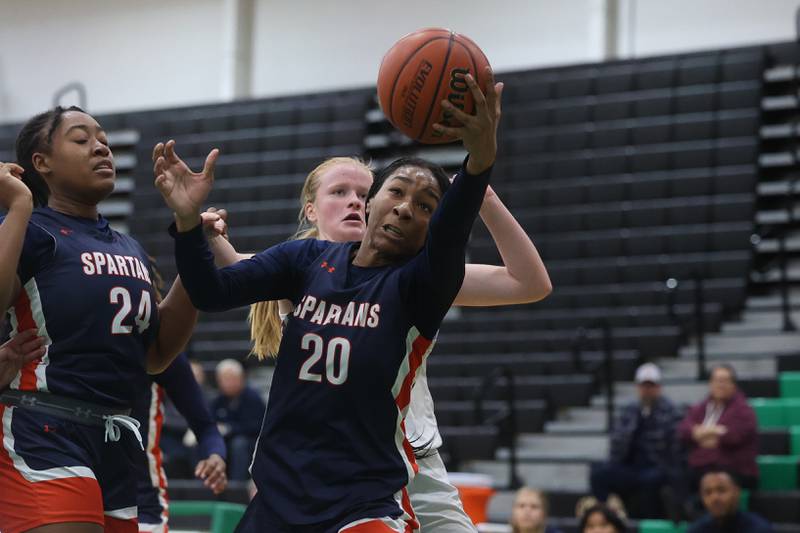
265 321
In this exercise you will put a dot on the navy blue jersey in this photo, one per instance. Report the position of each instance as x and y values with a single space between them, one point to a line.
333 444
87 290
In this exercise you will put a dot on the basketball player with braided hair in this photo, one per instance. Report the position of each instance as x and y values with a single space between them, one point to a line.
68 442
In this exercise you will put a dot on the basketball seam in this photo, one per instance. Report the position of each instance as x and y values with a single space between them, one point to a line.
400 72
438 85
475 69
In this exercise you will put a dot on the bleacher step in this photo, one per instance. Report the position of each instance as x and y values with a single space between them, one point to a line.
539 442
774 275
767 319
687 368
741 347
568 427
562 476
682 393
770 302
544 447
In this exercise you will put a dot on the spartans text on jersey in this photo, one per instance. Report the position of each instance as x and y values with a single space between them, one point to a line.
355 314
99 263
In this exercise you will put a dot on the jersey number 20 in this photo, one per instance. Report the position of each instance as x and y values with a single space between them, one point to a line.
142 319
338 348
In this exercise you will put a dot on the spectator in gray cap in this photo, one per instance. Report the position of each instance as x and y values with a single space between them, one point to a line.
644 457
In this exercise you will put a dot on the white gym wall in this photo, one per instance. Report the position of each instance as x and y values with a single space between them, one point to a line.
147 54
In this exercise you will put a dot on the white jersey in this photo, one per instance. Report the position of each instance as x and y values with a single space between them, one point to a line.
421 426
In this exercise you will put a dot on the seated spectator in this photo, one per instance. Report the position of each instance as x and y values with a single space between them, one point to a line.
599 518
721 498
238 411
721 432
644 456
529 514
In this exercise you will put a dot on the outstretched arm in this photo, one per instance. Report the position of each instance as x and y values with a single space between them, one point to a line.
268 275
523 277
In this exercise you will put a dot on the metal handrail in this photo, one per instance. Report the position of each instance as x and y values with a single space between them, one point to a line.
699 317
671 287
510 418
581 337
786 307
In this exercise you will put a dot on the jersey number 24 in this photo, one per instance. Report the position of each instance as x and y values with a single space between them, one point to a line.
121 295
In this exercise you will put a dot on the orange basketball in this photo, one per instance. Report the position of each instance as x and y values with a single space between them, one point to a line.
422 69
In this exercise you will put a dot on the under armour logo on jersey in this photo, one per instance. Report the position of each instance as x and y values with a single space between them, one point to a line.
329 268
28 401
65 231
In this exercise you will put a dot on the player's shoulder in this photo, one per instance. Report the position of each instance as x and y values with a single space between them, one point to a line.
38 232
308 250
40 226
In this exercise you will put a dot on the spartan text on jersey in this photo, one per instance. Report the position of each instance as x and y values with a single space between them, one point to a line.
355 314
99 263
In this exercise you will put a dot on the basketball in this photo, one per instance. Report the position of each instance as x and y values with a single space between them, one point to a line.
422 69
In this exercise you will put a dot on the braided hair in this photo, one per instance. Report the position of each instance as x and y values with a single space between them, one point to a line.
37 136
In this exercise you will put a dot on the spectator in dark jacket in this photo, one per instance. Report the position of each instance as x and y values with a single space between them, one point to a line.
721 498
721 431
644 452
238 411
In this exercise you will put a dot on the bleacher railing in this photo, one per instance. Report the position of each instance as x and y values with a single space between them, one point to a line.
581 337
672 286
505 421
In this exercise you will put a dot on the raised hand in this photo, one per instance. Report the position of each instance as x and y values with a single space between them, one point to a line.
14 354
212 472
479 131
12 190
184 191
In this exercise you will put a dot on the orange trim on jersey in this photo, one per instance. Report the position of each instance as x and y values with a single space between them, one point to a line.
159 456
25 322
418 349
27 505
412 523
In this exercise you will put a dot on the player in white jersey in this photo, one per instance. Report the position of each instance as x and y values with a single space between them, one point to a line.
332 208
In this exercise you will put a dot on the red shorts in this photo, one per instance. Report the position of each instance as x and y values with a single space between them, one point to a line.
54 471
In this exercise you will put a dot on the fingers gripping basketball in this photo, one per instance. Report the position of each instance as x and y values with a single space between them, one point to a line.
422 69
